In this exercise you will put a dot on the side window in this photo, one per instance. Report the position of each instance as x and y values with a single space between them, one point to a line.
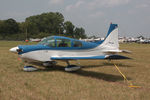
63 43
77 44
51 43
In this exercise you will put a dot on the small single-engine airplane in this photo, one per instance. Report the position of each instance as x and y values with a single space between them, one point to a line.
54 48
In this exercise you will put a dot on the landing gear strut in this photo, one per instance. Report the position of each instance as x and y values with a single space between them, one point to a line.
71 68
49 63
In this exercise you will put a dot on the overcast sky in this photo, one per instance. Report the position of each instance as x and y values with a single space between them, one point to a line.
132 16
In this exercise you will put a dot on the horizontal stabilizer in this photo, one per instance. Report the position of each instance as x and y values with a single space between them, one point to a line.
126 51
116 57
117 51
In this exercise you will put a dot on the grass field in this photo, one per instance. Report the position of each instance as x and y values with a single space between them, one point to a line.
97 80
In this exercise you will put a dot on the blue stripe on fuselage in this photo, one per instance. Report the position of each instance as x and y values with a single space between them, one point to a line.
29 48
76 58
85 45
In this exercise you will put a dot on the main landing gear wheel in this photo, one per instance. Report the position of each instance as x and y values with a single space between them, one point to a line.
71 68
29 68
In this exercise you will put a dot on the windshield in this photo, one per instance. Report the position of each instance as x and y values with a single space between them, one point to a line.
49 41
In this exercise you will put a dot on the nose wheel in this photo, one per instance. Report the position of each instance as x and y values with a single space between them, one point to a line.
29 68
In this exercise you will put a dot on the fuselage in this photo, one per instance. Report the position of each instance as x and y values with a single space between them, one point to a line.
52 47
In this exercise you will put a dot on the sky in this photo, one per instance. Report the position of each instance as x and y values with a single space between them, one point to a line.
95 16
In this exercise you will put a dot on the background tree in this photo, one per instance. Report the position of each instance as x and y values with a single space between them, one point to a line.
45 23
2 31
69 29
8 27
39 26
79 33
11 26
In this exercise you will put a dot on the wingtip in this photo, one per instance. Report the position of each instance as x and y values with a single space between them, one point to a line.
126 51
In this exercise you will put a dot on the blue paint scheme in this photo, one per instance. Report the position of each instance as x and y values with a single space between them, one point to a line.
76 58
29 67
85 45
28 48
111 28
72 66
99 42
110 57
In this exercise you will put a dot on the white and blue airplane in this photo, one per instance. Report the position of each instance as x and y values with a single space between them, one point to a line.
54 48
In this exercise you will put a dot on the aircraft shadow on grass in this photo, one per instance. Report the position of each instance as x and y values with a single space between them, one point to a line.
85 73
109 64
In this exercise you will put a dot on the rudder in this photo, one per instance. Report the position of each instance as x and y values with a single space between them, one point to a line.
111 40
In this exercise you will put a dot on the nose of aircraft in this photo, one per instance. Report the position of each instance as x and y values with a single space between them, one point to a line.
14 49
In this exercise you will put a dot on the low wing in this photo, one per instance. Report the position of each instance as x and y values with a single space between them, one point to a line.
110 57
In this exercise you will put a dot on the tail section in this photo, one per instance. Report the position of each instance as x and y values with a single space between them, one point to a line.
110 43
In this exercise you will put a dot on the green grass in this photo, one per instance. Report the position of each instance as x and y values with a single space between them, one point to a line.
97 80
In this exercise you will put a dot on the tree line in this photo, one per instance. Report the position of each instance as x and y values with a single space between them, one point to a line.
39 26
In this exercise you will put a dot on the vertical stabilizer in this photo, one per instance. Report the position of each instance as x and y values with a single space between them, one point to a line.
111 39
